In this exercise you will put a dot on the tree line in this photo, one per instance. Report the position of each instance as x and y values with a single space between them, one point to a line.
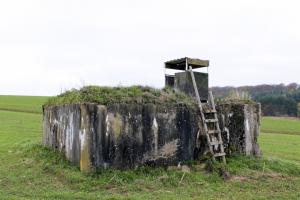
276 100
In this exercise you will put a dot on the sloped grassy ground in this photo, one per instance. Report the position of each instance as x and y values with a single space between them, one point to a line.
30 171
110 95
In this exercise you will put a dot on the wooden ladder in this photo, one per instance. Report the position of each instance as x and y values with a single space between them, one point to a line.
211 123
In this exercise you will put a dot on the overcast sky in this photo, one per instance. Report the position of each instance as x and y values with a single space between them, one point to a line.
50 46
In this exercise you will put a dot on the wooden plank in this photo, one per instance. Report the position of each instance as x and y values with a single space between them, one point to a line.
211 120
219 154
210 111
197 62
213 131
180 64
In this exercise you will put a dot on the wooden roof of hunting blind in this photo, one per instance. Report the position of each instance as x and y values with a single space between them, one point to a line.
180 64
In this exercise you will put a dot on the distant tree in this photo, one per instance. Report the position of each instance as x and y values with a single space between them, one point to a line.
276 100
292 86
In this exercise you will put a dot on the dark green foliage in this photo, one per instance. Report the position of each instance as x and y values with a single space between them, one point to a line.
298 113
276 100
277 105
110 95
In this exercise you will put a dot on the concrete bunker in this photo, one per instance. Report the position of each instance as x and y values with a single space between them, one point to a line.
162 129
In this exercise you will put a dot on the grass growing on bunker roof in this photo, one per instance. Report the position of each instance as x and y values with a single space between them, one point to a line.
110 95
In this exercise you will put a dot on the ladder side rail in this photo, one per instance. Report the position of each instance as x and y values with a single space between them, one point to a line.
195 88
201 108
212 100
214 108
217 124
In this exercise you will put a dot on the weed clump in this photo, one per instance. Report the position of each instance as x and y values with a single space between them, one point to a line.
236 97
111 95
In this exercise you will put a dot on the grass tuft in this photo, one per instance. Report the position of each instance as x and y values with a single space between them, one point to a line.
238 164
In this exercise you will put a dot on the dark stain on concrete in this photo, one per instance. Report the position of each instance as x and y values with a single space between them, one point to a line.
129 135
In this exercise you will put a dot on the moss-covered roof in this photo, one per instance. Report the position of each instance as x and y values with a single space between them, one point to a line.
111 95
180 64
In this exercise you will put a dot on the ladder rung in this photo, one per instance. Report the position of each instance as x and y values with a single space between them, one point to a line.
210 111
213 131
211 120
215 143
219 154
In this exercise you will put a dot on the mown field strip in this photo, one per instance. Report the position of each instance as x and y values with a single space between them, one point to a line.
280 146
281 125
29 104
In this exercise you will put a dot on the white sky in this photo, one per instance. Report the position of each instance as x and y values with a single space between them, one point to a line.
49 46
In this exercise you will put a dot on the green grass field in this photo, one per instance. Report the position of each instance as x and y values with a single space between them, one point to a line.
29 104
281 125
29 171
280 138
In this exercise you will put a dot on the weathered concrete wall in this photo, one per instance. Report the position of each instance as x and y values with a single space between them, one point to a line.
121 135
240 125
128 135
170 81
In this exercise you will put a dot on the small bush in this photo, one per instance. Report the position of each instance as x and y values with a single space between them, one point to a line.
236 96
239 95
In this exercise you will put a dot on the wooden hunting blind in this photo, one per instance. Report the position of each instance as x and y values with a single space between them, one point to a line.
196 84
181 80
